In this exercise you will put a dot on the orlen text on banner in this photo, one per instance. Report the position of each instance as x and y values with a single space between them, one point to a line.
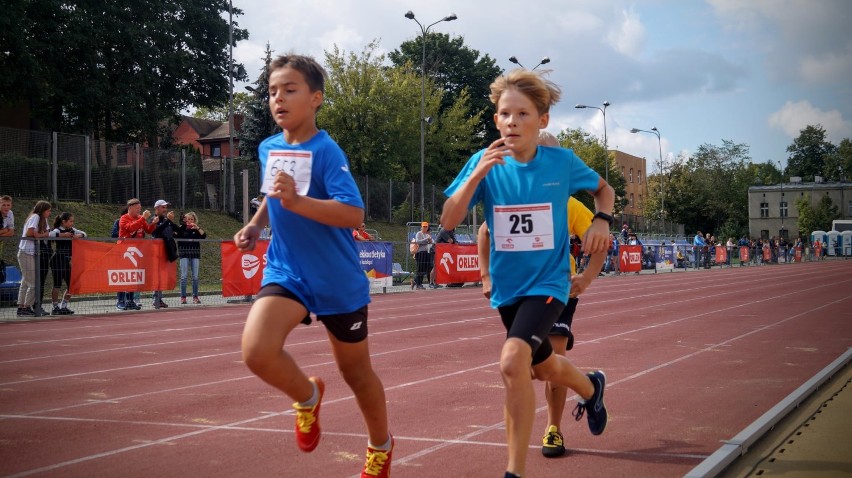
129 265
456 263
630 258
242 272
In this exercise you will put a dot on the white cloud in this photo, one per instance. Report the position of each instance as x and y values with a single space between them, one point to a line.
628 38
792 118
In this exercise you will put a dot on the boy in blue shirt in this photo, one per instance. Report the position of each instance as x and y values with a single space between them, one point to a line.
525 190
309 189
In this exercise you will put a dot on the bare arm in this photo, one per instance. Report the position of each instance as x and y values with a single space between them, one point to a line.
246 238
596 238
581 281
455 207
483 251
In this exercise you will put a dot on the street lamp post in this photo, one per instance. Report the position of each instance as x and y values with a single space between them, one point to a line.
606 150
782 202
656 132
424 30
543 61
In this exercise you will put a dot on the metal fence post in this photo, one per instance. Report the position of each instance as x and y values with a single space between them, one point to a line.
54 167
87 170
183 179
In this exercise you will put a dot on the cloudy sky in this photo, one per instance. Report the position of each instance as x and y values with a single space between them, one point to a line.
750 71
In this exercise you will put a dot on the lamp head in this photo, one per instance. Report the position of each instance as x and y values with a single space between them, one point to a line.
655 129
634 130
606 103
580 106
514 60
448 18
544 61
409 15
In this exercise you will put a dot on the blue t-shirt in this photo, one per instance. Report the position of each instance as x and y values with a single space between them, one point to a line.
531 189
317 262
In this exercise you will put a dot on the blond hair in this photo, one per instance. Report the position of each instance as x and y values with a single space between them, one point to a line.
547 139
542 92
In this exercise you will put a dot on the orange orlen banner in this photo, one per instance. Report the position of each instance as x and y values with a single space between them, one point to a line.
767 254
129 265
242 272
721 255
630 258
744 254
456 263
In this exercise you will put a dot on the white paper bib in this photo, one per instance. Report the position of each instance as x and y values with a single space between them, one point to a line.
523 227
297 164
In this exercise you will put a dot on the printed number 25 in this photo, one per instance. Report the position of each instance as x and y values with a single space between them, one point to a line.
521 223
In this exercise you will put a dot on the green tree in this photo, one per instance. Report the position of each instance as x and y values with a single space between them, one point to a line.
817 218
258 124
709 191
220 112
454 68
372 111
116 69
808 153
591 150
839 165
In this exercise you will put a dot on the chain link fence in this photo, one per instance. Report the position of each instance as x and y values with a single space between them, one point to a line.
67 167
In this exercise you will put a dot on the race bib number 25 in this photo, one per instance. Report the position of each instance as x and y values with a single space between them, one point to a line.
524 227
295 163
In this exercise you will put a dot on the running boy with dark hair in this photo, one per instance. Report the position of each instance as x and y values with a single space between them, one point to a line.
309 189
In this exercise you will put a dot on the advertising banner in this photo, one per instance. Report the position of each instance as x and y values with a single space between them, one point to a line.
744 254
630 258
130 265
242 272
665 259
456 263
376 260
721 255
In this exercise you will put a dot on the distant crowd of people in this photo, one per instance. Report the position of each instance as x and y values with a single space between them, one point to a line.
46 248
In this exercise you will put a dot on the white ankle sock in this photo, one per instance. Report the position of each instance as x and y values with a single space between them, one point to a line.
385 447
314 398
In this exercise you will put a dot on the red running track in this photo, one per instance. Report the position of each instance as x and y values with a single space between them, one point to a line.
691 359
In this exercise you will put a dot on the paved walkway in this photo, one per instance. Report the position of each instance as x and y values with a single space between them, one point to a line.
813 441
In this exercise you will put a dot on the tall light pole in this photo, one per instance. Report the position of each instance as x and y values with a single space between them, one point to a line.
656 132
424 30
606 148
543 61
781 211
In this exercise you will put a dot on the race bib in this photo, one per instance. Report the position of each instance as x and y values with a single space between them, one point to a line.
295 163
525 227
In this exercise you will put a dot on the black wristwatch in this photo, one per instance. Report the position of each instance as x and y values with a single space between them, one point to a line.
606 217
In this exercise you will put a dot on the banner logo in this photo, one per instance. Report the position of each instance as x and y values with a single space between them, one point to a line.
250 265
131 253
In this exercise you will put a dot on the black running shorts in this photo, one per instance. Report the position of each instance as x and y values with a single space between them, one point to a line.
530 319
350 327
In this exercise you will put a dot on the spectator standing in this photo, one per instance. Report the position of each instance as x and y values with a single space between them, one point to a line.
360 233
698 244
8 217
624 233
189 250
164 229
60 264
35 228
133 224
424 241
